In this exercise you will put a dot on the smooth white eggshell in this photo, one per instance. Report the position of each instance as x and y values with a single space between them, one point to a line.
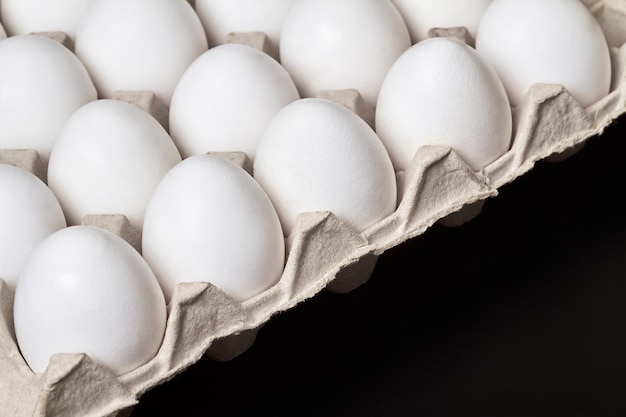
22 17
317 155
342 44
209 221
29 212
422 15
226 98
41 87
441 92
107 159
139 44
546 41
86 290
221 17
3 33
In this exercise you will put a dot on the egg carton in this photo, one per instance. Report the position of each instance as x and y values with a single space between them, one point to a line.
323 252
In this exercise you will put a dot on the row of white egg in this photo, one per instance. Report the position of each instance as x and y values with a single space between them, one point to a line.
302 157
220 17
206 219
85 289
324 45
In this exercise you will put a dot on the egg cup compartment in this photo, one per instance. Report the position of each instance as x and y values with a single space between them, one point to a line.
147 101
352 100
61 37
610 14
258 40
238 158
324 253
27 159
459 33
118 224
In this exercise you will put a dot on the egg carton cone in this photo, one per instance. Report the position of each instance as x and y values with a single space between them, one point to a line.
324 253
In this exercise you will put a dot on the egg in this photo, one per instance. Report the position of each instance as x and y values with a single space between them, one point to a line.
222 17
29 212
22 17
549 42
441 92
342 44
3 33
86 290
139 44
209 221
226 98
107 159
422 15
43 85
316 155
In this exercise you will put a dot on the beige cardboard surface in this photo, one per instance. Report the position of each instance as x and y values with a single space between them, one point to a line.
324 253
27 159
258 40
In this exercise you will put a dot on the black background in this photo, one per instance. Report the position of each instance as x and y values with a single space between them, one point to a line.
520 312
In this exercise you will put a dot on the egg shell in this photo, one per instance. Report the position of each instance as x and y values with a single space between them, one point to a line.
22 17
223 17
29 213
441 92
139 45
42 87
546 41
342 44
86 290
226 98
422 15
209 221
317 155
94 166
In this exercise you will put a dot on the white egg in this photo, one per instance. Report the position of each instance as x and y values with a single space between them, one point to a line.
209 221
226 98
29 212
86 290
342 44
221 17
317 155
107 159
43 85
546 41
22 17
3 33
139 44
422 15
441 92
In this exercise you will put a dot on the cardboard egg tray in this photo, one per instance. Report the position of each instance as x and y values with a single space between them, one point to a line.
323 252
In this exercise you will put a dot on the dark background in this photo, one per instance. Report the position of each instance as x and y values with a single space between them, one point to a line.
520 312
